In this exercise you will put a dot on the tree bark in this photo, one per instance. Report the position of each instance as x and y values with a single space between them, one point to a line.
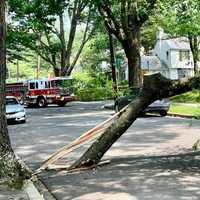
85 39
194 46
63 46
131 47
154 87
72 33
11 172
112 63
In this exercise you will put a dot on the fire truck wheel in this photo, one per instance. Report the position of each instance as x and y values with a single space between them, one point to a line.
61 104
41 102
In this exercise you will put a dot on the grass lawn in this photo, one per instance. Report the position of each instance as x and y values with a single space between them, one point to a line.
191 110
188 97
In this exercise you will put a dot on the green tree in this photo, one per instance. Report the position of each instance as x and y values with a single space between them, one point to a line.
182 18
41 26
124 19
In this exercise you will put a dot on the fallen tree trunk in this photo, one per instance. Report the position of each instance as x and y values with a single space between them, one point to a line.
80 141
155 87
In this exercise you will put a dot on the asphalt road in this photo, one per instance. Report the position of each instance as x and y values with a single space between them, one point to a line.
130 176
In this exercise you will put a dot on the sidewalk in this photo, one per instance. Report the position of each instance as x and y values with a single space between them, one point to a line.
31 191
6 194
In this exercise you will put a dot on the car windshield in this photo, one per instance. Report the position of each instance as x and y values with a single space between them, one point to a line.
11 101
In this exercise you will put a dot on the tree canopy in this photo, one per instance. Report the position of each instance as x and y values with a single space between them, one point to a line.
49 28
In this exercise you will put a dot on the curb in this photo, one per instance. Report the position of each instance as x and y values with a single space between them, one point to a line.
32 192
43 190
34 188
111 107
182 116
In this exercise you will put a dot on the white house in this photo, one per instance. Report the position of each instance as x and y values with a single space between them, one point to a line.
175 56
150 63
171 57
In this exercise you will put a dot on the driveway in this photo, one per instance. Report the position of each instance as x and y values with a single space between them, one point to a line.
140 168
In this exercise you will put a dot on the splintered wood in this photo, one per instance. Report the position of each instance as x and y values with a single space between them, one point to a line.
86 137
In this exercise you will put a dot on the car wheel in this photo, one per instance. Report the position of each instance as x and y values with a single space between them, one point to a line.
41 102
163 113
23 121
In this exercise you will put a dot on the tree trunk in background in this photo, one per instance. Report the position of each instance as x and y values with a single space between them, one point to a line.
194 46
63 46
112 63
131 47
71 38
11 171
155 87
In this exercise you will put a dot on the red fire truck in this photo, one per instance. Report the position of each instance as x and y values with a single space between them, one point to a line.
42 92
16 89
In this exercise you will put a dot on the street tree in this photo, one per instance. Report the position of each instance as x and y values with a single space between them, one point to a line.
49 28
11 171
124 19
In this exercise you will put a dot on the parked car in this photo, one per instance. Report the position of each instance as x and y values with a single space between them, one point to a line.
14 110
160 106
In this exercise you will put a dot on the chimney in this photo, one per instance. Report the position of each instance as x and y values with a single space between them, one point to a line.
160 33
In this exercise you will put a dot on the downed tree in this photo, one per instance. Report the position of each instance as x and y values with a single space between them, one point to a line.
155 87
84 138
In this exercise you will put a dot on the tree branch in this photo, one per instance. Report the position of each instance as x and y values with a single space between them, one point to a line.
74 21
110 21
143 18
124 17
84 41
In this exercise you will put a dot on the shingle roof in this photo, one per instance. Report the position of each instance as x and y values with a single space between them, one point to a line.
178 43
150 63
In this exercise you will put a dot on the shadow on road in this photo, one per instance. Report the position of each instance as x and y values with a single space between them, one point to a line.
132 178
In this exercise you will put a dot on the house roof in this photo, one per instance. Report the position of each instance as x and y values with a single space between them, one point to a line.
150 63
178 43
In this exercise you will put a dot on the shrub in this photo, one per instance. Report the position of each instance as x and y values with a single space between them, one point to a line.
91 87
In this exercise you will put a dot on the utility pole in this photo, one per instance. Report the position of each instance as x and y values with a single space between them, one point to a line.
38 67
112 63
17 70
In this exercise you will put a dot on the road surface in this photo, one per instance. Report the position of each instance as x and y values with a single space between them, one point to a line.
139 169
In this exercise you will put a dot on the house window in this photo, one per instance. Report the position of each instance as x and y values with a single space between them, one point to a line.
184 55
182 73
167 55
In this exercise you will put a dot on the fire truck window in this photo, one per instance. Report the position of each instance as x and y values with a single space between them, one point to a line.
32 85
53 84
41 84
36 85
47 84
